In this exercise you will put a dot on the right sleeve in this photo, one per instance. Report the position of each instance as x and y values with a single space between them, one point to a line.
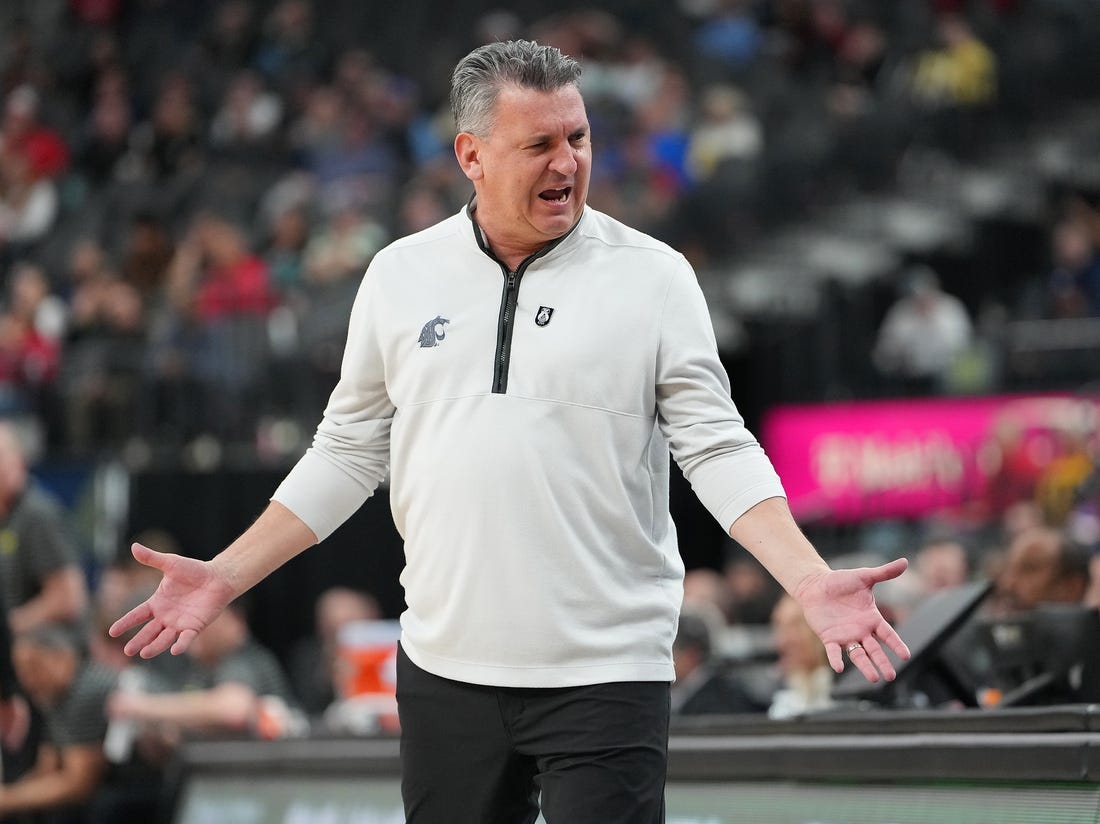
349 456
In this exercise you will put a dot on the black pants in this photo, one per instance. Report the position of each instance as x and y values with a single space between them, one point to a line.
472 754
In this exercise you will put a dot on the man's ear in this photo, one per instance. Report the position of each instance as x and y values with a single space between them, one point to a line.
468 153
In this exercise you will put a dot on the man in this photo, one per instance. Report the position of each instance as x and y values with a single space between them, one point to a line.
223 693
70 690
807 681
314 660
232 686
1043 566
922 335
41 581
524 367
700 688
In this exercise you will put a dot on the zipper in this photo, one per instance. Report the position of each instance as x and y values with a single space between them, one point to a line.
508 301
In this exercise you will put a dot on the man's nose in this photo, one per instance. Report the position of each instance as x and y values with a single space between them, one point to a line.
564 161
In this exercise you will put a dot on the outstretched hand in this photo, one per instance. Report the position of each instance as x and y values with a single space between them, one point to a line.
190 596
840 607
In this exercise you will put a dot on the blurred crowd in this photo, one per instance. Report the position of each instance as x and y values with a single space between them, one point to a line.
189 193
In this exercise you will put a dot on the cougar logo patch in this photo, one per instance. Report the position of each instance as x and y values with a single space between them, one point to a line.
433 332
544 315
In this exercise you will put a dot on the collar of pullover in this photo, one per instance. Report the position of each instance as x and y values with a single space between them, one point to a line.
557 244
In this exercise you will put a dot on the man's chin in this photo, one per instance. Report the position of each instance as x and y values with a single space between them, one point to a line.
555 226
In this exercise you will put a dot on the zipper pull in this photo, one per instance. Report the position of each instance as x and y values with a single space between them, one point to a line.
511 280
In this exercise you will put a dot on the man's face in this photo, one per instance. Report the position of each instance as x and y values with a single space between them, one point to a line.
44 672
531 171
1030 576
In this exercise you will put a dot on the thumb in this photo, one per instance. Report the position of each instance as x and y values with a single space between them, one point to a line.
149 557
886 572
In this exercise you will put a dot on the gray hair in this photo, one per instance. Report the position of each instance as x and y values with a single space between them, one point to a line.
480 75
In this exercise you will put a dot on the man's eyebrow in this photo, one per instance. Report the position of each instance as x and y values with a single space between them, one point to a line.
543 137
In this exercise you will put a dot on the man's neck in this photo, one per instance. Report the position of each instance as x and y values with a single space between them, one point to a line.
510 255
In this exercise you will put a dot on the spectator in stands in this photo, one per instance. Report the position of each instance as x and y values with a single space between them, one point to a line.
31 332
1043 566
168 146
246 121
28 205
70 690
701 687
290 54
706 592
955 84
226 46
101 367
342 247
422 205
727 133
123 581
1073 286
229 690
31 327
284 247
208 342
807 680
104 141
730 38
753 592
23 135
941 563
41 580
1070 465
922 334
136 789
314 661
147 253
960 71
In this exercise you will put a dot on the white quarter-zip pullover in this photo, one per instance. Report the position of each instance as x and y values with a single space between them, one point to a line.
526 420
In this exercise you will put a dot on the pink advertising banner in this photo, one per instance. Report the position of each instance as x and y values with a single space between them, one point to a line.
907 458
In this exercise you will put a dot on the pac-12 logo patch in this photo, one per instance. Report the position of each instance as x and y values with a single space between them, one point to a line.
433 332
544 315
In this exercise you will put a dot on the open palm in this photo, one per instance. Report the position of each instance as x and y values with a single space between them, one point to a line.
190 596
840 607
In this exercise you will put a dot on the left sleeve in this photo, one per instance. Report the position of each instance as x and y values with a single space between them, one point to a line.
721 459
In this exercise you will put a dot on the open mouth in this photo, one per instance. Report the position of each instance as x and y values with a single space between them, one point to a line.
556 195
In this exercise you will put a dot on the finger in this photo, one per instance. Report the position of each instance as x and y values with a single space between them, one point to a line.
159 644
149 557
183 642
862 662
886 572
146 634
889 636
879 658
836 658
138 615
